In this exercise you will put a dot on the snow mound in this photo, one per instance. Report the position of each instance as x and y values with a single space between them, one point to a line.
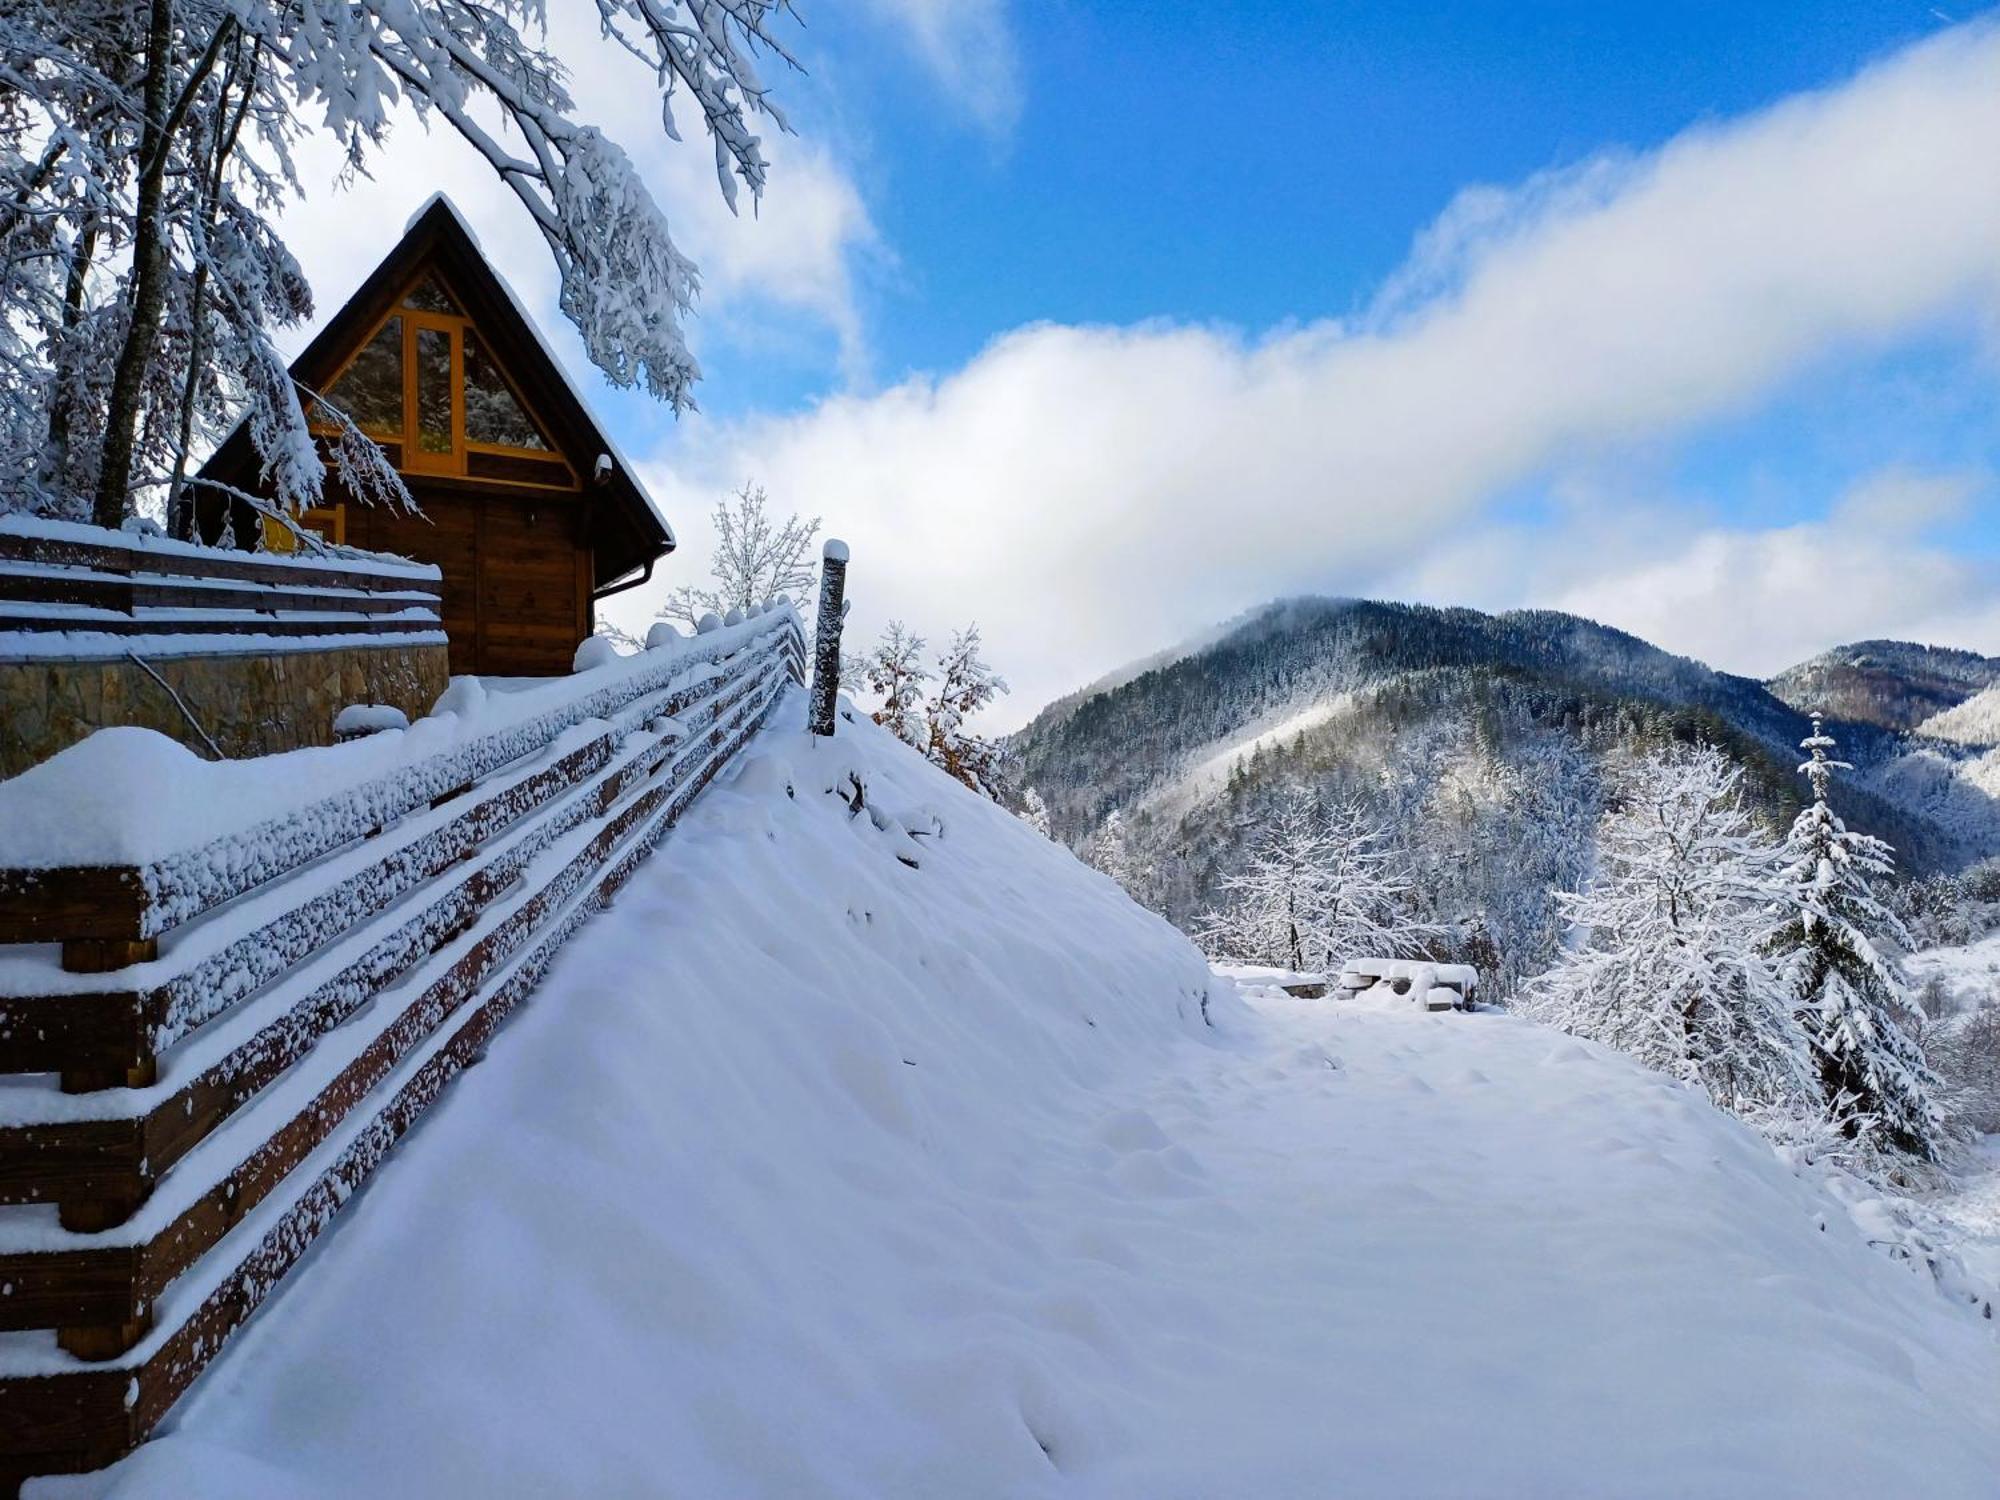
813 1171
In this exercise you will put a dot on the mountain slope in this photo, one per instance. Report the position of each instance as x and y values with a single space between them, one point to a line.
815 1174
1973 721
1890 684
1480 738
1303 651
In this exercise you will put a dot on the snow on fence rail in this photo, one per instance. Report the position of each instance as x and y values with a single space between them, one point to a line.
59 582
239 1029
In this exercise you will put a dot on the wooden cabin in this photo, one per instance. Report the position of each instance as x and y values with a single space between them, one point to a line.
528 511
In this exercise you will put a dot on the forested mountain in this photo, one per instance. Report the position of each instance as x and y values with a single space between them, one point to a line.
1891 684
1975 722
1480 741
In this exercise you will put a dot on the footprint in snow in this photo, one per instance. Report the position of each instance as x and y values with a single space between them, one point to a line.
1568 1052
1147 1175
1132 1130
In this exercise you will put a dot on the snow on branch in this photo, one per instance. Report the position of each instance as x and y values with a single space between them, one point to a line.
146 159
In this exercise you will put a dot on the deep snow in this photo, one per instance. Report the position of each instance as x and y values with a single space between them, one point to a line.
812 1173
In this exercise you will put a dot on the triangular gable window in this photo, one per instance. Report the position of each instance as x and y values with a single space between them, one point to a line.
429 295
427 383
493 414
370 390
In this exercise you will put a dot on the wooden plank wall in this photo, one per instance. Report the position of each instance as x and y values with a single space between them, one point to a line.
517 573
447 912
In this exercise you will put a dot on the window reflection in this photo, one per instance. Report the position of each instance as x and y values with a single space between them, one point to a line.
429 295
370 390
492 414
434 390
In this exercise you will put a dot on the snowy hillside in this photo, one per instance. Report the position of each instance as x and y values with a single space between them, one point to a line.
889 1153
1975 721
1483 743
1890 684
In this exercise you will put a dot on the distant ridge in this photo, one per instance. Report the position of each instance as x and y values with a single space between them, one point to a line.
1891 684
1498 733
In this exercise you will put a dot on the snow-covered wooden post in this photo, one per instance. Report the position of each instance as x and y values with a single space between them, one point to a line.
826 635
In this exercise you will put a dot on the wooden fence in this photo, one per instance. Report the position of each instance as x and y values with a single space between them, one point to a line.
238 1033
112 584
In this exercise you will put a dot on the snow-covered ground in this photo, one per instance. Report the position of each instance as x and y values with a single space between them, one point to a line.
810 1173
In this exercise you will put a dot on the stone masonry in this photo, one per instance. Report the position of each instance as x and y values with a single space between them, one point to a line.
248 703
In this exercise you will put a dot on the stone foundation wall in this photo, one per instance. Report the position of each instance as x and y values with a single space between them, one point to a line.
249 704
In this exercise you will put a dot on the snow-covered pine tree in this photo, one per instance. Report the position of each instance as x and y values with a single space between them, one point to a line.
965 685
1666 963
1035 812
896 673
1110 853
756 559
1322 885
1846 992
146 160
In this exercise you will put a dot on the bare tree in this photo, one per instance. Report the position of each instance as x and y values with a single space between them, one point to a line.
896 673
1323 886
966 685
146 157
1666 962
756 559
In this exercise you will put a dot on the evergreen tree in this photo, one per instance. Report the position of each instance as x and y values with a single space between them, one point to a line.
1667 964
1109 853
1035 812
1847 995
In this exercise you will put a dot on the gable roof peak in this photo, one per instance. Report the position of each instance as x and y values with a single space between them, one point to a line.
440 202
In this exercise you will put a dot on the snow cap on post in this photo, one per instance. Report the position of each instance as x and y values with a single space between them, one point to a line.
826 636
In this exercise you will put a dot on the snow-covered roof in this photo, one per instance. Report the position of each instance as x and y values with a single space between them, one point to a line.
439 233
620 462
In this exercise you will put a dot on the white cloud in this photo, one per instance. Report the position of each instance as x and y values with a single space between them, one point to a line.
794 256
969 46
1900 499
1091 493
1748 601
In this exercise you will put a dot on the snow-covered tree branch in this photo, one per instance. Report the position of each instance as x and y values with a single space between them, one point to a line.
1323 885
756 559
1666 957
146 152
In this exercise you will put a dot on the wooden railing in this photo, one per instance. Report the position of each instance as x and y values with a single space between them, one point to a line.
80 579
234 1035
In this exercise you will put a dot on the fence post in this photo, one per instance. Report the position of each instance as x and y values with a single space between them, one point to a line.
826 636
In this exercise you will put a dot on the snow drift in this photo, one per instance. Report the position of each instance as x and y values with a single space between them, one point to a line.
873 1146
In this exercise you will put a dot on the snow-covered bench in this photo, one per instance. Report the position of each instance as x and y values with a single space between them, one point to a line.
1434 986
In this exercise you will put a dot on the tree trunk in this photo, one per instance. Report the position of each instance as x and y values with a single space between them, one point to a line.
149 279
180 508
55 454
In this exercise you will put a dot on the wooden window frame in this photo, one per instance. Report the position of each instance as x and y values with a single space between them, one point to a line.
452 465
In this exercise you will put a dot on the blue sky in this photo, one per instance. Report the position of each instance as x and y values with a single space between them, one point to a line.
1249 163
1098 324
